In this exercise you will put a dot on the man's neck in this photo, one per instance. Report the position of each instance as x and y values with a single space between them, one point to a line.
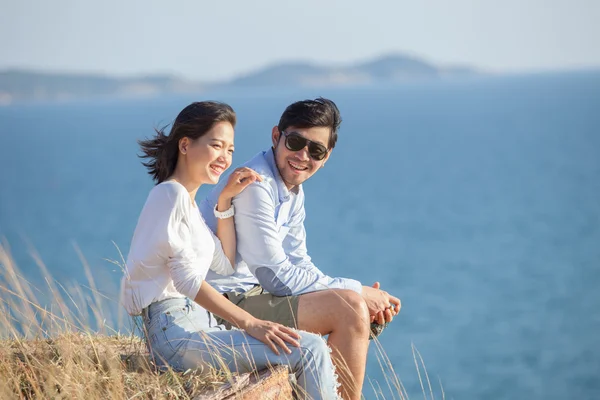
291 188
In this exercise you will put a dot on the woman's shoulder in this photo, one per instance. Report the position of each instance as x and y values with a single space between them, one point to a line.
169 192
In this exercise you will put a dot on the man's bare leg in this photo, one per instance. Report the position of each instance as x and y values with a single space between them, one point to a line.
344 316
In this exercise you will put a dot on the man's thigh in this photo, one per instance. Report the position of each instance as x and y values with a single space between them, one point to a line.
327 310
265 306
321 312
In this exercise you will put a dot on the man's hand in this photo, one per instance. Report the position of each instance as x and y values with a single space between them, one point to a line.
382 306
377 300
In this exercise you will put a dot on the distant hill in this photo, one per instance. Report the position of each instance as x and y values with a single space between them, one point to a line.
391 68
22 85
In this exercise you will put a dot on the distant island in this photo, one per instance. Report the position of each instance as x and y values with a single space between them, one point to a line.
24 85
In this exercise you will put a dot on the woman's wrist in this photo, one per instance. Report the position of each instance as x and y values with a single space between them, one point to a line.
224 203
244 323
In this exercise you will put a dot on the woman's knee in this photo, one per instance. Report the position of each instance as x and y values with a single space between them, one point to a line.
313 345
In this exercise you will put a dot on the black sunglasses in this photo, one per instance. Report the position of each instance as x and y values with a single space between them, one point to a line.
296 142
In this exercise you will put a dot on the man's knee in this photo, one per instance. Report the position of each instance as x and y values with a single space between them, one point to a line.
356 305
333 310
351 310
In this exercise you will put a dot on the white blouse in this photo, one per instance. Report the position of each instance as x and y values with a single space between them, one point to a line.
171 251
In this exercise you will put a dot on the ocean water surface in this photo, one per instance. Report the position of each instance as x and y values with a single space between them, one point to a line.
476 202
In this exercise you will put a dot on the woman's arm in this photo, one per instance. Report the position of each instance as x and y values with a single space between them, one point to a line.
238 181
270 333
226 230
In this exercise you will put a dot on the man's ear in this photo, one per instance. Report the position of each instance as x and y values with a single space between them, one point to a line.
275 136
326 158
184 144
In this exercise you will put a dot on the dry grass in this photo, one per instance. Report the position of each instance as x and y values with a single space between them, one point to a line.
59 349
91 367
50 351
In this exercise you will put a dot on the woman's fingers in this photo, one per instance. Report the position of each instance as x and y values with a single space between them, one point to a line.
279 341
282 334
239 180
271 345
245 172
247 177
291 332
243 181
289 339
275 336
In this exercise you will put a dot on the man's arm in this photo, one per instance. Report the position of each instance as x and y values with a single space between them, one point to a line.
294 243
261 247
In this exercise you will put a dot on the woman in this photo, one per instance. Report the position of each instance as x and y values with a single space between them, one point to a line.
172 250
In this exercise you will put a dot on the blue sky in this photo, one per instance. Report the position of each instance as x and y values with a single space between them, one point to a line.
209 40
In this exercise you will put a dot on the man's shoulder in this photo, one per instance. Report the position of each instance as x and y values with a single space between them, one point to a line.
259 191
260 164
268 186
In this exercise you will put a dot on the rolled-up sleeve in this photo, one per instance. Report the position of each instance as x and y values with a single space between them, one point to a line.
262 248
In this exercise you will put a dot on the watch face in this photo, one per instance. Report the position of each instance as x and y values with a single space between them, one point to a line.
224 214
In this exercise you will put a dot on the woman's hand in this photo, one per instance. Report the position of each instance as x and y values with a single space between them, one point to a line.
272 334
239 179
269 333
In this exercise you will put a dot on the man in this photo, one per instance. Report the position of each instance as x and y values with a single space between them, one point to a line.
271 246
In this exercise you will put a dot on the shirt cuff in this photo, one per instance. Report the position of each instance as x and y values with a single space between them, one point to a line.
353 285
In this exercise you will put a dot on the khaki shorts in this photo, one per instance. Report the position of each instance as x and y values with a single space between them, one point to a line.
263 305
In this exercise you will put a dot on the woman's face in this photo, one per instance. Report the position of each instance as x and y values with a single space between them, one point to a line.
210 155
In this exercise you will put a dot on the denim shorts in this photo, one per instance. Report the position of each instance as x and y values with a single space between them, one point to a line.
182 335
170 326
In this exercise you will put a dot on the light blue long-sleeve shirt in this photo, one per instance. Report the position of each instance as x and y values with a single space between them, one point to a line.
271 239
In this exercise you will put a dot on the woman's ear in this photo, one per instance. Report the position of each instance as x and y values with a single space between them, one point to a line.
183 145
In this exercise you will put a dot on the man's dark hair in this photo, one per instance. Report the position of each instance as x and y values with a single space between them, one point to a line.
313 113
193 121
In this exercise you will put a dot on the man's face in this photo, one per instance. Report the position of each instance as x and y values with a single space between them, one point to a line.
295 167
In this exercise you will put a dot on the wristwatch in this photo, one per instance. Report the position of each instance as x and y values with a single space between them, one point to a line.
224 214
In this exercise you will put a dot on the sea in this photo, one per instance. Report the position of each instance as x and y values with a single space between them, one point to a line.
475 201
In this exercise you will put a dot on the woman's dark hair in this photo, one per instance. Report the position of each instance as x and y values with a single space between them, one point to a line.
310 114
193 122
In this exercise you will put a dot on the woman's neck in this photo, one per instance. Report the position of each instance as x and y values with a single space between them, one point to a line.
186 182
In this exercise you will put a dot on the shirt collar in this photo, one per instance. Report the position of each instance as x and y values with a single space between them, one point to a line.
284 192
